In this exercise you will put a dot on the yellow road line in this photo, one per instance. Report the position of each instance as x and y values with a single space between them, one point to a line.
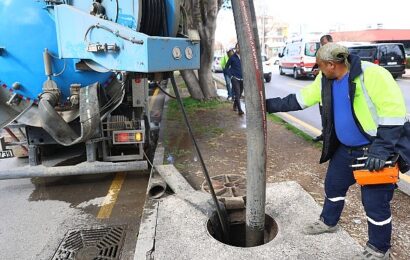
111 198
305 125
115 188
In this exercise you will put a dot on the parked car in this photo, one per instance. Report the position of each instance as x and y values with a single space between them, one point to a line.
391 56
298 57
216 64
267 68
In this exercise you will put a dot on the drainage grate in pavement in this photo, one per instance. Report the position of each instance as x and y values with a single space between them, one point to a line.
97 244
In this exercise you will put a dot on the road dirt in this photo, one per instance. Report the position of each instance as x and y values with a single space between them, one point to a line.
221 136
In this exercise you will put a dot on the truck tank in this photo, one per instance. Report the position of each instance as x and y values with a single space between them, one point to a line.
75 73
32 30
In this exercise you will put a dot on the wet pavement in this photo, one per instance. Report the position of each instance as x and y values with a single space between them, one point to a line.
37 213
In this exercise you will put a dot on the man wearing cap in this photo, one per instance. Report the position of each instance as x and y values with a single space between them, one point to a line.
363 115
224 60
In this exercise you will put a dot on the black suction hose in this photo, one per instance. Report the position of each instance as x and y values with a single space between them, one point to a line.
208 180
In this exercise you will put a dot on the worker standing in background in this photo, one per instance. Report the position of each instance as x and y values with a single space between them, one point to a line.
235 72
223 62
363 115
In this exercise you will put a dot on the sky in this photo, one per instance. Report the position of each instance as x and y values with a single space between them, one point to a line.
349 14
325 15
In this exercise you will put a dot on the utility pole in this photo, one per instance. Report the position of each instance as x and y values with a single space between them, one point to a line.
263 32
247 33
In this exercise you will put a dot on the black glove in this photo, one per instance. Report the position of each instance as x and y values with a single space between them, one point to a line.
374 164
288 103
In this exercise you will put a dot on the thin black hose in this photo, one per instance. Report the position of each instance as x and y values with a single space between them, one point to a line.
164 21
152 15
165 92
208 179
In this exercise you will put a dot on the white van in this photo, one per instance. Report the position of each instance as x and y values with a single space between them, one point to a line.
298 57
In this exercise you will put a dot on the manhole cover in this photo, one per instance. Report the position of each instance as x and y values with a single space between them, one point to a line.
91 244
227 185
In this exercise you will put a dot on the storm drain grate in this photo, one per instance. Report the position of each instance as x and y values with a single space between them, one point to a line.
96 244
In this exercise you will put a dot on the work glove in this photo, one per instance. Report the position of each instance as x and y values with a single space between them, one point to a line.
374 164
288 103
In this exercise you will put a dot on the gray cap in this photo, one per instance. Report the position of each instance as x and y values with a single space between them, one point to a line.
333 52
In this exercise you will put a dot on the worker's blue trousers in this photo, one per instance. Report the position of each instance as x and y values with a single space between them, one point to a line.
375 198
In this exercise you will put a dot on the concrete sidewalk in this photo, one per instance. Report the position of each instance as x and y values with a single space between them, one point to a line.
175 227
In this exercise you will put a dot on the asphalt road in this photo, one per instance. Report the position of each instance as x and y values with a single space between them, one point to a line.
36 214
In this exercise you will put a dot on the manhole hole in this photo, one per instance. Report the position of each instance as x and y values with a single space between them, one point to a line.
237 228
96 244
227 185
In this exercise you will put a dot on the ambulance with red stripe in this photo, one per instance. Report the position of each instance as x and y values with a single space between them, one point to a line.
299 56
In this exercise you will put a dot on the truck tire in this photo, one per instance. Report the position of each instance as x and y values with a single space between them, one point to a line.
295 73
281 71
268 78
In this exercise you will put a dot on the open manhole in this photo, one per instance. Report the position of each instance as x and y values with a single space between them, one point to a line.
96 244
237 228
227 185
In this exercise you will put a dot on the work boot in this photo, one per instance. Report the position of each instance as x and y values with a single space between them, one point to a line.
372 253
234 107
319 227
241 113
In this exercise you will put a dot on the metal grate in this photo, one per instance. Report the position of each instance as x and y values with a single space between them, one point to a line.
97 244
227 185
120 123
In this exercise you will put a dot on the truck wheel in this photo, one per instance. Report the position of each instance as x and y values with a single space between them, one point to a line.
295 74
281 71
268 78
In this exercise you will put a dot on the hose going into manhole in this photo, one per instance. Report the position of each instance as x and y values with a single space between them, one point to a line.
206 174
256 131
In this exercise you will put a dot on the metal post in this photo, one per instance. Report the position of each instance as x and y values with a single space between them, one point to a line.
247 33
91 149
34 155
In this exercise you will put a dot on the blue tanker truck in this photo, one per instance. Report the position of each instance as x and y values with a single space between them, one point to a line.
73 76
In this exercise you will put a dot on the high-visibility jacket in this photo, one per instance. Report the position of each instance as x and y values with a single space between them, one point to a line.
378 107
223 61
376 98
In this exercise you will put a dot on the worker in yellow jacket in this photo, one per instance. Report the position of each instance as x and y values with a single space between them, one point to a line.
363 115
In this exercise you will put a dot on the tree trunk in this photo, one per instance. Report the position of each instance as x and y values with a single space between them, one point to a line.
203 19
192 84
